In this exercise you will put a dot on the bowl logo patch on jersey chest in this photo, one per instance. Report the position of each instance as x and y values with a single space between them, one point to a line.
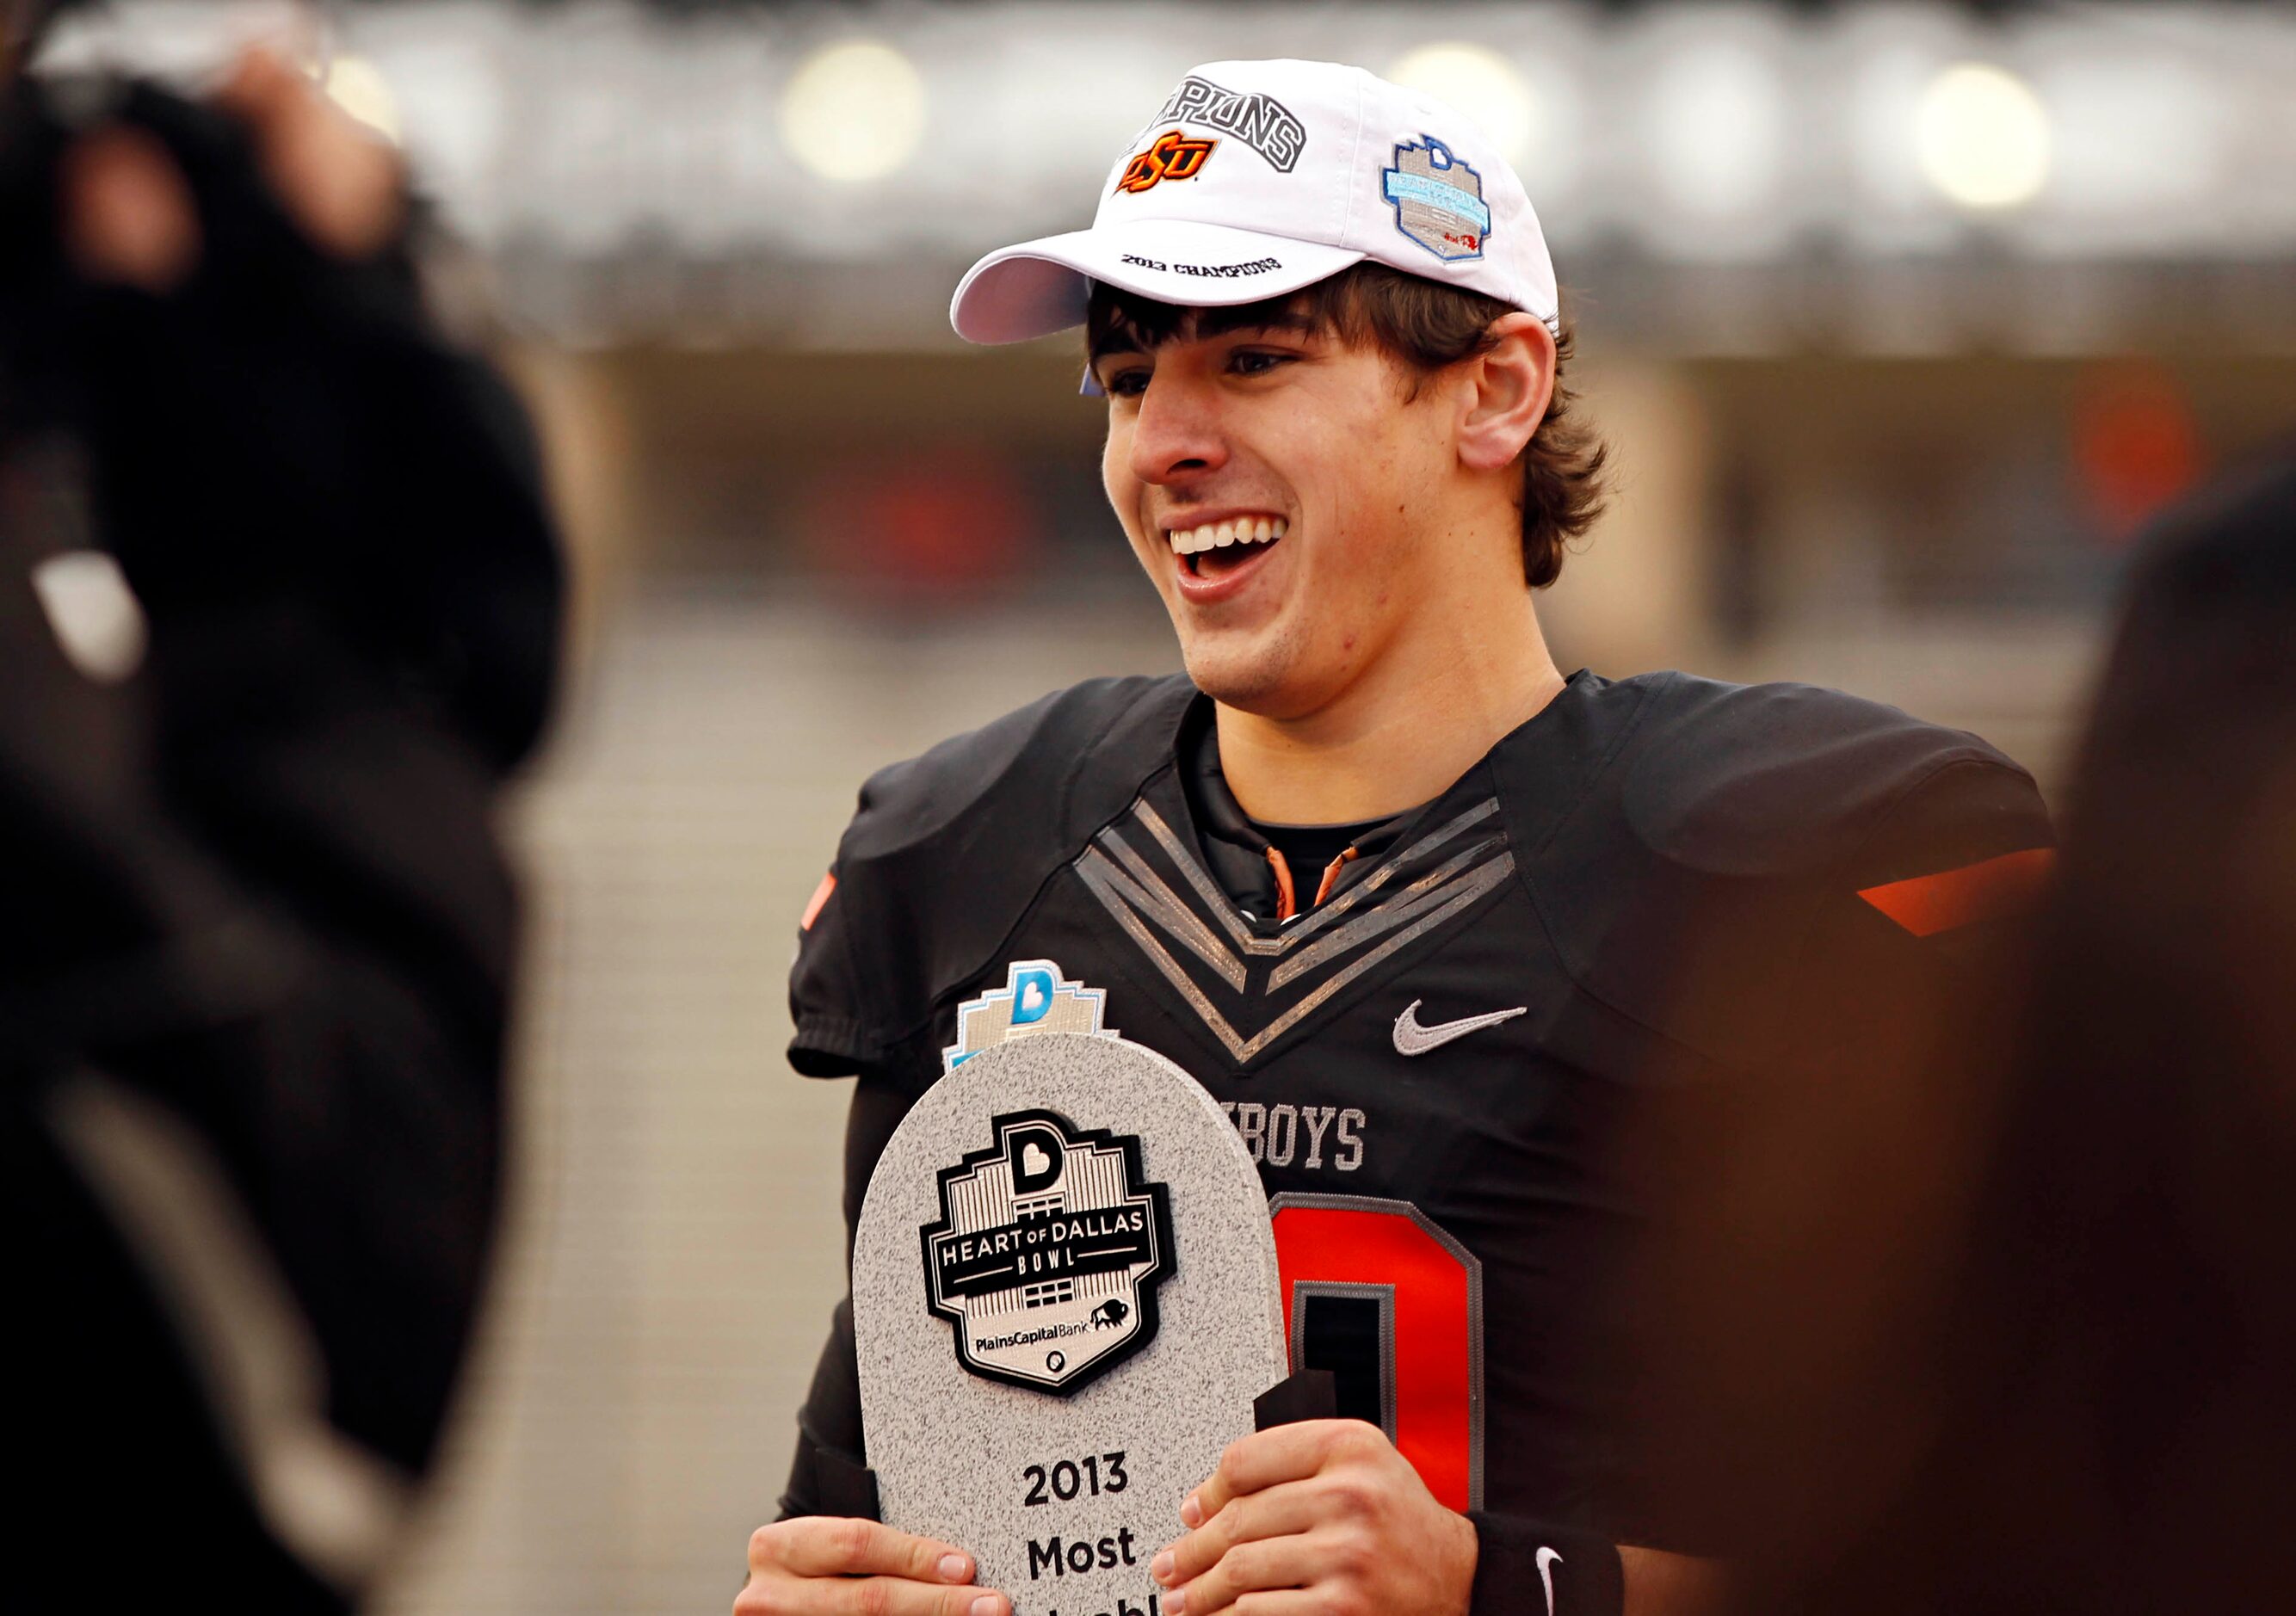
1036 998
1047 1253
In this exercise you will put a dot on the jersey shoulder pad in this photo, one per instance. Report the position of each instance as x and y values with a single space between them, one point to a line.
1042 762
1778 780
947 851
1731 826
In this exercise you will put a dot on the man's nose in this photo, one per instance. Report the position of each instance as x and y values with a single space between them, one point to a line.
1177 434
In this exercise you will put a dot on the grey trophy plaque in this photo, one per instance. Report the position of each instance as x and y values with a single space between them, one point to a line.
1065 1297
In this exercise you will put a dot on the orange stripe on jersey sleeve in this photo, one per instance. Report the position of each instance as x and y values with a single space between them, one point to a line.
1927 905
818 902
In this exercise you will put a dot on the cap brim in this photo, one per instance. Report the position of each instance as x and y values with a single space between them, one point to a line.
1042 286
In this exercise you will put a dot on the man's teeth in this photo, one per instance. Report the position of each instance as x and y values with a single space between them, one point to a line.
1220 535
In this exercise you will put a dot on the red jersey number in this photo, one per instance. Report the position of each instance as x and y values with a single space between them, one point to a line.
1380 1295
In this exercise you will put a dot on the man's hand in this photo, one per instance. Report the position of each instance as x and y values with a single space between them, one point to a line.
1326 1517
830 1565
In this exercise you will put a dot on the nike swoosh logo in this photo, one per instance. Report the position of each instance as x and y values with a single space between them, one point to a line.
1547 1561
1412 1038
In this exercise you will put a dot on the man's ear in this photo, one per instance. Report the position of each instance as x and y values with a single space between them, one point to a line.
1506 392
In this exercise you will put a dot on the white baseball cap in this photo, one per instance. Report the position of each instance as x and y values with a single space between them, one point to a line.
1257 178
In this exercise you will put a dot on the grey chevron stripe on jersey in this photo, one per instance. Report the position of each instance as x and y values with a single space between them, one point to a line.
1141 887
1407 903
1144 905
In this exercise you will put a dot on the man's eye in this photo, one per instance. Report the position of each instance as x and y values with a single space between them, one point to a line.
1256 362
1128 383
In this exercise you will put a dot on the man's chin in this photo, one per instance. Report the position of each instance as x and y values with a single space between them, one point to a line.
1259 678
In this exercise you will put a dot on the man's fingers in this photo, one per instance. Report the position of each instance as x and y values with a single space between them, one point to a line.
783 1595
1281 1602
1278 1511
839 1545
1288 1453
897 1596
1266 1565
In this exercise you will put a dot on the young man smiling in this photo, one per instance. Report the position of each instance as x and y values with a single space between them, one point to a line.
1428 918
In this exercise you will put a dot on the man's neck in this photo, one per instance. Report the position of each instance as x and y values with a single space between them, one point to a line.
1399 736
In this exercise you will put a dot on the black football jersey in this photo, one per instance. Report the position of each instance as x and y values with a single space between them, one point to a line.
1654 882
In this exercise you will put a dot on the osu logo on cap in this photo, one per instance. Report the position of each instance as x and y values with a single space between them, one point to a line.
1171 156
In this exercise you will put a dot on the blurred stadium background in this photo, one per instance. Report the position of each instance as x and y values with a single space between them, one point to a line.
1902 319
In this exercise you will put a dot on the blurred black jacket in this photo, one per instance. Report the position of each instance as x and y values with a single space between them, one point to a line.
2066 1387
256 929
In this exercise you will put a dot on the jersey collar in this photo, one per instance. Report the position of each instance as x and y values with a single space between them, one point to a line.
1236 852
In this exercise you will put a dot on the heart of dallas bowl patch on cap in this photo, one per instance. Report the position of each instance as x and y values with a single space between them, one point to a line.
1047 1253
1438 200
1036 998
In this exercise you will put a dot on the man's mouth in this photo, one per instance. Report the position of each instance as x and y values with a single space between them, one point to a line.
1214 549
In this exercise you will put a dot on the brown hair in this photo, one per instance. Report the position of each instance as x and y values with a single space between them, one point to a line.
1424 327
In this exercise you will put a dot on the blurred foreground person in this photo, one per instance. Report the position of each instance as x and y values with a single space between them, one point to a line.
2043 1363
278 607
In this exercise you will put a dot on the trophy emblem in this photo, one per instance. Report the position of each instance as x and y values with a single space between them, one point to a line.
1048 1252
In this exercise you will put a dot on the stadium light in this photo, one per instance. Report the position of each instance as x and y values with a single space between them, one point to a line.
358 88
1480 83
1982 137
854 113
